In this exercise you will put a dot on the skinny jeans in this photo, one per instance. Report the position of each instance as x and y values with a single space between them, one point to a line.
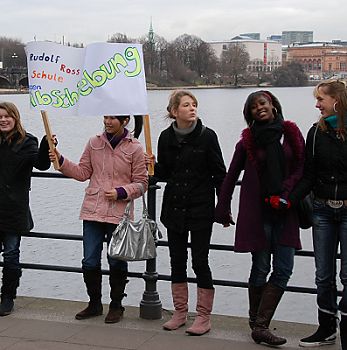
330 231
94 235
200 245
9 245
281 257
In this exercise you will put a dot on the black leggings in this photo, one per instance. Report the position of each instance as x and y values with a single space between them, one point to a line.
178 244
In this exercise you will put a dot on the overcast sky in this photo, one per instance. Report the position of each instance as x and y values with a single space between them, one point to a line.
91 21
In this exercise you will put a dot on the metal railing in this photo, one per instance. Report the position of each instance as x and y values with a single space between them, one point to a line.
150 305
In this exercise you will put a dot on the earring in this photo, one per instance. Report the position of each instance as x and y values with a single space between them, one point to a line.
275 110
335 107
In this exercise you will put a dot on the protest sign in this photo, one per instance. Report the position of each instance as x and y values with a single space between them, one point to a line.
100 79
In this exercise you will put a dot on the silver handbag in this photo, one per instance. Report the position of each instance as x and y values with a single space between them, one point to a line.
134 240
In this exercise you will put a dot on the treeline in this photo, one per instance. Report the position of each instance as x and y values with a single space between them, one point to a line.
187 60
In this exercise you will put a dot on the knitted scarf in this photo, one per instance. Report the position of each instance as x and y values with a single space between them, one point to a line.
268 136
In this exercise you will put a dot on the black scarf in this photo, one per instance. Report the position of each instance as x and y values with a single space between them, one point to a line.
268 136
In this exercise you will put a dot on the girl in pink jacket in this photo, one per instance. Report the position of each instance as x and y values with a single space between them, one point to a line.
114 164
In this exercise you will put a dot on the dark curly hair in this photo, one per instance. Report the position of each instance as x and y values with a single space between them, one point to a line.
250 99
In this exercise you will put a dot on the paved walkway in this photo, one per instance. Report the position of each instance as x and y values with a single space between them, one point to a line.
49 324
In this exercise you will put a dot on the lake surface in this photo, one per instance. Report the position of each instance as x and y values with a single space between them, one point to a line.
55 205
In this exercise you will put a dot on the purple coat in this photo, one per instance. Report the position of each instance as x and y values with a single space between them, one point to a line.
249 234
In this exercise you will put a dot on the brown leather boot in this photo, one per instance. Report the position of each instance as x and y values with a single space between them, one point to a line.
254 296
202 323
114 315
118 280
92 280
268 304
180 300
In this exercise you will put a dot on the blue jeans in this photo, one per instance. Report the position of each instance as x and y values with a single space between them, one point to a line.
282 257
330 230
10 243
94 235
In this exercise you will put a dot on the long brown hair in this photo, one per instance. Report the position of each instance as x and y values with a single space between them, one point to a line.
337 89
13 112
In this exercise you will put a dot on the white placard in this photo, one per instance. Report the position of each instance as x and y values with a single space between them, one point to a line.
100 79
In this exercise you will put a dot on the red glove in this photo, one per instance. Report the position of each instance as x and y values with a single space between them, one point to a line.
277 202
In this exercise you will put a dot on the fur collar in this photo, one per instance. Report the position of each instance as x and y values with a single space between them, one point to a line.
291 134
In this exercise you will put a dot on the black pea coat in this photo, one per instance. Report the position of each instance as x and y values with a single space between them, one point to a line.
16 163
194 170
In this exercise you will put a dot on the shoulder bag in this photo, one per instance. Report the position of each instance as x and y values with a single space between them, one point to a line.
134 240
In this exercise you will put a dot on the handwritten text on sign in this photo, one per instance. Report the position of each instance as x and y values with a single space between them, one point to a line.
101 79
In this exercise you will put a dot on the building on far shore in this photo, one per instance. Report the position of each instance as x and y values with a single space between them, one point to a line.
319 60
296 36
265 55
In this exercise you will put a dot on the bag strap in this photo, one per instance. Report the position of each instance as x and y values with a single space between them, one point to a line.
131 202
314 141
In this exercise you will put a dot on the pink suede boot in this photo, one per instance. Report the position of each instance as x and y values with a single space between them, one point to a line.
180 300
202 324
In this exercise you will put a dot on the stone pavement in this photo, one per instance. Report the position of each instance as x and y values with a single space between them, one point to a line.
49 324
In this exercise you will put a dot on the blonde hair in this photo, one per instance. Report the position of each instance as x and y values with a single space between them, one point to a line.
13 112
175 99
337 89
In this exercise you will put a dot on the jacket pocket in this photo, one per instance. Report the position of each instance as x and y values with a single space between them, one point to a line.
90 199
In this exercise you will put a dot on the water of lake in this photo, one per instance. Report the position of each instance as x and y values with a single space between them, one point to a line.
55 205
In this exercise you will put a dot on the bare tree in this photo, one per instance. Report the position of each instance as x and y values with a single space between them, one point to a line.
234 61
120 38
12 53
195 54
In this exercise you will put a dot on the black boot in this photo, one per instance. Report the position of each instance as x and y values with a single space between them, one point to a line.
326 332
118 280
10 283
254 297
268 304
93 280
343 332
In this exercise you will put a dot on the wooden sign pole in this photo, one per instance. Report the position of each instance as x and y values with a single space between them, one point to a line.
148 142
49 136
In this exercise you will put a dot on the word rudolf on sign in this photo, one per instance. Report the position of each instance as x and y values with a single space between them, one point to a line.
100 79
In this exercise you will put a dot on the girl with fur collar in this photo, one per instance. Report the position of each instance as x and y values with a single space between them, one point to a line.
271 154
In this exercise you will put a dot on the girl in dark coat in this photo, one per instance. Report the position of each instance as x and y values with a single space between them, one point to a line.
325 175
19 153
190 161
271 153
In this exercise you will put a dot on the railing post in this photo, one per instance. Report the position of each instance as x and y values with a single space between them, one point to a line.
150 305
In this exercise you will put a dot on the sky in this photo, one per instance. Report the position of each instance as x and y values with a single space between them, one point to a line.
87 21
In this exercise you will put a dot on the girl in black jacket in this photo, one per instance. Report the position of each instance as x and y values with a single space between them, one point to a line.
325 174
190 161
19 153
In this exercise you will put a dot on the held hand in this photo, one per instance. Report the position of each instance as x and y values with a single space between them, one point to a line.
276 202
231 221
54 155
149 159
111 194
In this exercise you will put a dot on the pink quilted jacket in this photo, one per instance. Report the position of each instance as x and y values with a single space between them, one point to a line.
108 168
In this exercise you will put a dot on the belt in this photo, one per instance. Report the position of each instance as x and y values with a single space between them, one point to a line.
333 203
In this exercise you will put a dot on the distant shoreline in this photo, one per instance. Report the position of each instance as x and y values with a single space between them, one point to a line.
190 87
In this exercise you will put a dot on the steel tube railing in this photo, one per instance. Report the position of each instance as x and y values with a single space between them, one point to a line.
150 305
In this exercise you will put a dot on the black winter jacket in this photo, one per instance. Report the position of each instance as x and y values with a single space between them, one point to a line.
193 170
325 169
16 164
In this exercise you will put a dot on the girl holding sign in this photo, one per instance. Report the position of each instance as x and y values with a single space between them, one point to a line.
114 164
19 153
190 161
